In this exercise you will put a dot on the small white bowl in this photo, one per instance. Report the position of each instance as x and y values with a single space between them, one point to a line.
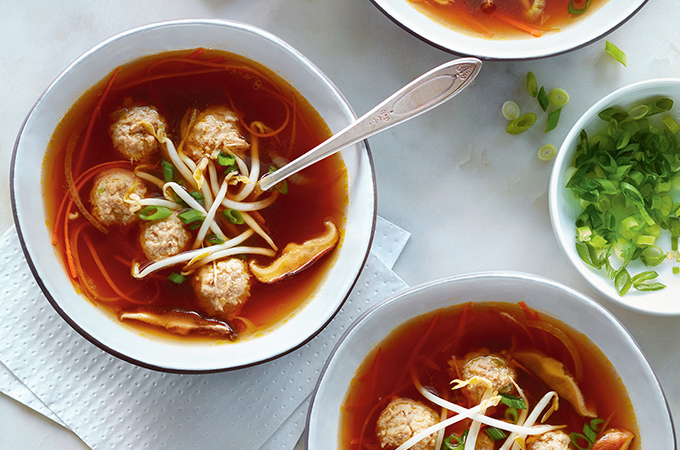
95 323
547 297
591 27
565 208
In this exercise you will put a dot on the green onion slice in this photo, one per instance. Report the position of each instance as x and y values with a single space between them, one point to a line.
573 8
532 85
553 119
214 239
510 110
671 124
168 171
226 159
176 278
233 216
521 124
558 97
542 98
547 152
154 213
512 401
190 216
636 112
495 434
615 52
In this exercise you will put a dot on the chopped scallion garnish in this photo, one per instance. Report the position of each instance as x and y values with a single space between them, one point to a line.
547 152
190 216
512 401
226 159
671 124
521 124
578 6
553 119
615 52
510 110
543 99
168 171
532 85
496 434
558 97
154 213
176 278
233 216
214 239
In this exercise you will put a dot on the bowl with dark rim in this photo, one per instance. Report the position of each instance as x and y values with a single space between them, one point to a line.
101 327
543 297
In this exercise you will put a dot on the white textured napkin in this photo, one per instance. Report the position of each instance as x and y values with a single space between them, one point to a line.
109 403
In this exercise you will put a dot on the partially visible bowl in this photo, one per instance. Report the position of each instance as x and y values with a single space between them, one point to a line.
546 297
565 208
102 328
583 31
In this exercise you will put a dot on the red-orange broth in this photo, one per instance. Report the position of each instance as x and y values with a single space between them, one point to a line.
174 82
499 19
424 345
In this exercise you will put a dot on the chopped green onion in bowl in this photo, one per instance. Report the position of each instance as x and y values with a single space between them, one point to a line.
628 209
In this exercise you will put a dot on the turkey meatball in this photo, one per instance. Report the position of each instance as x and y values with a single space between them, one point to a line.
223 287
161 239
552 440
108 196
493 367
216 130
402 419
130 133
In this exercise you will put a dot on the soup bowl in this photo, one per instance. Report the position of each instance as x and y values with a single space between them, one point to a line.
565 208
549 299
154 350
587 28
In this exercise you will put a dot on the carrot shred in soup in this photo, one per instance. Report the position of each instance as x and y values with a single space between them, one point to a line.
505 18
486 376
153 197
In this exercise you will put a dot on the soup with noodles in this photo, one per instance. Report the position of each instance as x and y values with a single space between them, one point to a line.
486 376
154 202
506 18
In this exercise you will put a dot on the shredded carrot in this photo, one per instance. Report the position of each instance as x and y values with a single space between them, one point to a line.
196 53
256 133
518 24
106 276
530 313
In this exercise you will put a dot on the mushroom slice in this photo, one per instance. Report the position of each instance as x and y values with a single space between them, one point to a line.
180 322
297 257
614 439
553 374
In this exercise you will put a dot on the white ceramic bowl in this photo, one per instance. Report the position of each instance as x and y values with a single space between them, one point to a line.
106 331
583 31
565 208
547 297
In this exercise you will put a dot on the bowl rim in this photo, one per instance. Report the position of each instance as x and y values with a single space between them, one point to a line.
555 188
232 24
487 275
490 56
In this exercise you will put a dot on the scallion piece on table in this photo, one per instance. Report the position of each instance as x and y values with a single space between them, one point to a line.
547 152
521 124
510 110
532 85
558 97
616 52
542 98
553 119
154 213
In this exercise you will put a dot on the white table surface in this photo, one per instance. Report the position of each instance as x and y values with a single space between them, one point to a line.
473 197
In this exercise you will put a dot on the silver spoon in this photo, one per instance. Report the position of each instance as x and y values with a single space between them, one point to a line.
420 95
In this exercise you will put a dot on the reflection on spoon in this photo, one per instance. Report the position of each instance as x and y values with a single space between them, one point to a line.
422 94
